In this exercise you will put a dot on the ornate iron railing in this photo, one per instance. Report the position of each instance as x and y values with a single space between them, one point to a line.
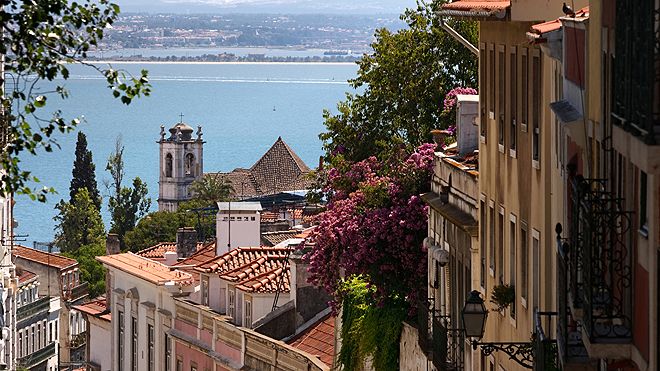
76 292
636 80
37 357
78 340
443 344
28 310
545 348
569 330
602 234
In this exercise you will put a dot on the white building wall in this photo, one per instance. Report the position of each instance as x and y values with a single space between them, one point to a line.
100 338
237 228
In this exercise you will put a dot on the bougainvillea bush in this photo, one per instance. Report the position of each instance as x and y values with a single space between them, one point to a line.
374 226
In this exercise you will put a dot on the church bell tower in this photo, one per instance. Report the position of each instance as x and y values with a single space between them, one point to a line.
181 163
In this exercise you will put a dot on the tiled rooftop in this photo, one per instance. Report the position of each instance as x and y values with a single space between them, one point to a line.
42 257
252 269
96 308
318 340
146 269
278 170
24 275
158 251
555 24
273 238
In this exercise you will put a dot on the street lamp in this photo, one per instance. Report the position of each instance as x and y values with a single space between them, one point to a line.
474 316
474 322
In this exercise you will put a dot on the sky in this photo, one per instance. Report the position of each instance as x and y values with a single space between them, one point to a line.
267 6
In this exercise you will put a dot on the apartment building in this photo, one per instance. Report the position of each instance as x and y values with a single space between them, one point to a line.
60 277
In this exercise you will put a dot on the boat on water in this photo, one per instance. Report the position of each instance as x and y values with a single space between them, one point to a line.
337 52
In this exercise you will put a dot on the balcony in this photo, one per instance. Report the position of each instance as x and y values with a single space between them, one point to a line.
37 357
545 348
443 345
76 293
78 340
595 274
28 310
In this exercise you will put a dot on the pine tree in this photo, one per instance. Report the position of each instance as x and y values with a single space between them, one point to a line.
84 172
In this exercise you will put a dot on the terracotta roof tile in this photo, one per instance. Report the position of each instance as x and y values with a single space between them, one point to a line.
147 269
96 308
318 340
273 238
158 251
252 269
555 24
42 257
278 170
24 275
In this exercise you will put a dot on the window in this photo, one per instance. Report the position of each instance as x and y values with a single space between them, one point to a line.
525 87
501 84
50 329
643 210
482 242
491 80
205 290
120 341
193 366
512 260
483 96
536 108
179 365
500 246
190 164
536 269
248 314
20 343
491 237
232 301
523 261
513 77
134 344
168 165
150 349
168 353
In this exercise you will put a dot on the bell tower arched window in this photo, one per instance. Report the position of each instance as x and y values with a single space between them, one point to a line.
168 165
190 164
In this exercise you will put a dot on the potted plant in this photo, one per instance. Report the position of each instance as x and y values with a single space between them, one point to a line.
503 295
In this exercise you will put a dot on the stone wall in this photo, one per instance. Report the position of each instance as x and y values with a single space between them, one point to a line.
411 356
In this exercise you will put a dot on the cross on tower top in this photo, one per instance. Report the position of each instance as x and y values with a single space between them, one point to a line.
181 117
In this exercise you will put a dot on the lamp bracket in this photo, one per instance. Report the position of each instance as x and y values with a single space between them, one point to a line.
521 353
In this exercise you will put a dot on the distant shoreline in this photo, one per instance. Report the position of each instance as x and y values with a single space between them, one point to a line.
206 62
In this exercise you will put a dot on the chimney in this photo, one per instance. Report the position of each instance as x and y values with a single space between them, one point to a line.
308 299
111 248
186 241
467 123
171 258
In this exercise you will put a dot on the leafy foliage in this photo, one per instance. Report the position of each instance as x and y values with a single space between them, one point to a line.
91 271
503 295
84 172
369 329
39 40
157 227
126 205
374 226
211 188
78 223
405 80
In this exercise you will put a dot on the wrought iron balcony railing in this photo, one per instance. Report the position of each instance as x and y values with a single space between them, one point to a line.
443 344
76 292
545 348
78 340
37 357
600 260
28 310
569 329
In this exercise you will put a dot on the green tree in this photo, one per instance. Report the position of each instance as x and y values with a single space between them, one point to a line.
404 81
211 188
78 223
126 204
91 271
84 172
40 38
158 226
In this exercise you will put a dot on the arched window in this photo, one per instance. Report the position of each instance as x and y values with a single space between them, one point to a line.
168 165
190 164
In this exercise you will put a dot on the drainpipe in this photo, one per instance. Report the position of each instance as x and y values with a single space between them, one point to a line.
459 38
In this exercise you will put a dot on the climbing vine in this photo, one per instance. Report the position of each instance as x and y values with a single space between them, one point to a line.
370 330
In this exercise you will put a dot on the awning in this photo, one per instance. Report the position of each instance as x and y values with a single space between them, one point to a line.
453 214
571 119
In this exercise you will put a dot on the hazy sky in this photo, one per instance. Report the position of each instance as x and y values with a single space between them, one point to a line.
267 6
